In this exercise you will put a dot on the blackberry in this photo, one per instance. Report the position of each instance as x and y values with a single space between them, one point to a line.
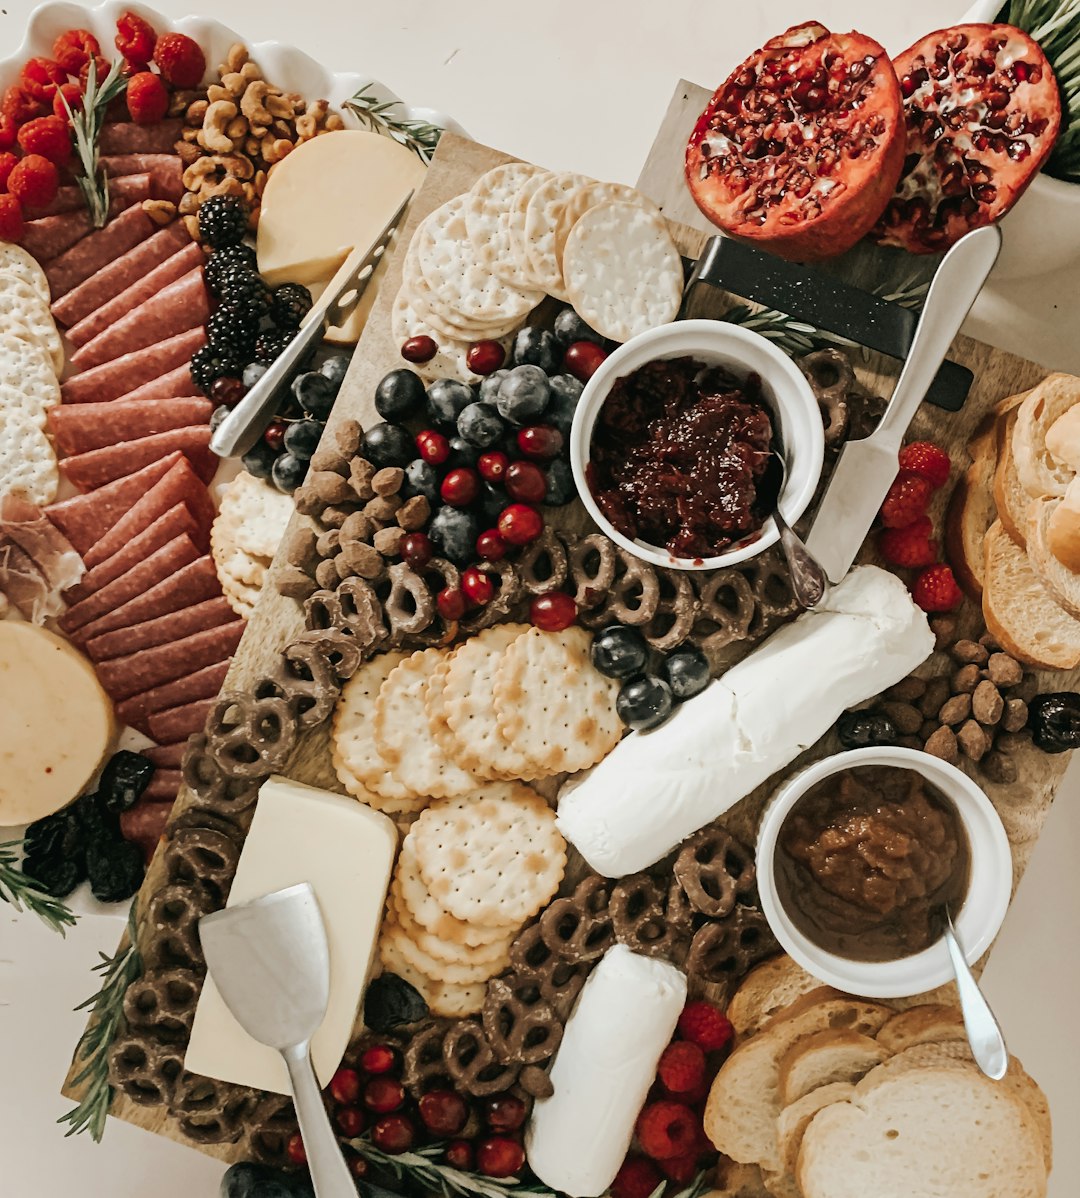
289 304
233 331
242 289
225 259
223 221
211 363
272 344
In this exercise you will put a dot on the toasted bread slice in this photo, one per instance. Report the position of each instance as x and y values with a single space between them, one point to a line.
971 510
1040 473
767 989
1010 498
1019 611
929 1024
1062 584
824 1057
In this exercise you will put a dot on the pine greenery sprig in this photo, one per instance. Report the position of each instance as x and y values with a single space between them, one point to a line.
86 124
380 117
25 894
92 1051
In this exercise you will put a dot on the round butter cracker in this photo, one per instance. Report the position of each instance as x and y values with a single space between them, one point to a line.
449 1000
462 973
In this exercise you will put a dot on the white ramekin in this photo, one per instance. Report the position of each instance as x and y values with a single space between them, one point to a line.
978 921
716 343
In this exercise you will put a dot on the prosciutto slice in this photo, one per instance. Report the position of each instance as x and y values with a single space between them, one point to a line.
37 562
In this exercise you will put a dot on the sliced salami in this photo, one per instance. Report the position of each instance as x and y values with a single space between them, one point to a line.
173 384
129 268
123 677
125 137
145 823
202 684
163 787
168 757
113 380
132 188
139 292
211 613
49 236
188 586
94 251
179 721
181 305
143 576
85 519
100 466
179 485
166 172
78 428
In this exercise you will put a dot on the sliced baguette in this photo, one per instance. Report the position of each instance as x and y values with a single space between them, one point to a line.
1010 498
824 1057
1019 611
732 1180
927 1024
795 1119
1040 473
1062 583
767 989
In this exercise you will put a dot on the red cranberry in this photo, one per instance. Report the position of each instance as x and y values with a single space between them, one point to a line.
451 603
498 1156
351 1120
379 1058
520 524
444 1112
460 486
459 1153
492 466
432 446
504 1112
583 358
526 482
477 585
540 441
485 357
417 550
359 1166
274 436
419 349
553 612
228 391
384 1094
294 1150
490 546
345 1086
681 1169
394 1133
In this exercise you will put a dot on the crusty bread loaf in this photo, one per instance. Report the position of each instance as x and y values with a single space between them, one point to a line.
1010 498
1019 611
936 1132
1062 583
928 1024
1040 473
767 989
824 1057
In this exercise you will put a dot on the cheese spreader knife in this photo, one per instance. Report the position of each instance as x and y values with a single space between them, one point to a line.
865 469
246 423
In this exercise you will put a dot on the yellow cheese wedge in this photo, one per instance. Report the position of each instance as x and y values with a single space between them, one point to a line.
346 851
56 723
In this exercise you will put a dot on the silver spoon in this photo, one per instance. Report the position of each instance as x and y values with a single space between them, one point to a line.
983 1033
808 579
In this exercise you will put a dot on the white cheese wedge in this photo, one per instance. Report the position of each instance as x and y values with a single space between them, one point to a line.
656 788
346 851
624 1019
56 723
330 194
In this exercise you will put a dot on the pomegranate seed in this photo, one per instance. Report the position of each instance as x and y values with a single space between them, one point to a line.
443 1112
499 1156
394 1134
451 603
417 550
294 1150
505 1112
383 1095
460 486
526 482
520 524
379 1058
345 1086
419 349
432 446
552 613
228 391
459 1153
492 466
351 1120
490 546
274 436
583 358
485 357
540 441
477 585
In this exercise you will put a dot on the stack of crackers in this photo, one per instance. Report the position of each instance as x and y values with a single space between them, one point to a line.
244 538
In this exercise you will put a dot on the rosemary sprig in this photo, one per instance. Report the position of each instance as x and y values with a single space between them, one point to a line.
421 1168
86 124
24 893
92 1051
380 117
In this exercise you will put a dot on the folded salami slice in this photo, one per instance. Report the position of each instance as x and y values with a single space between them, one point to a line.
166 172
129 268
179 484
173 384
211 613
202 684
176 522
77 264
163 787
80 427
49 235
85 519
123 677
179 721
188 586
100 466
125 137
113 380
171 756
159 566
181 305
145 823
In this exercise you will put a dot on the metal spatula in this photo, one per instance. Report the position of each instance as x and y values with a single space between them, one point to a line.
270 961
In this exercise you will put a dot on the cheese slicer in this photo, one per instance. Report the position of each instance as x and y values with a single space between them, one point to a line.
270 960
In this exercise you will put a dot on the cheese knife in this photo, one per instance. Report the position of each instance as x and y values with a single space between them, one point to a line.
245 424
866 468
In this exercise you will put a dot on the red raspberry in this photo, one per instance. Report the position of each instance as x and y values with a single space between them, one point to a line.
637 1178
180 60
72 93
935 589
73 49
927 459
147 98
8 132
681 1168
11 218
682 1067
909 547
135 38
8 162
667 1129
34 181
48 136
706 1026
101 69
40 77
906 501
20 106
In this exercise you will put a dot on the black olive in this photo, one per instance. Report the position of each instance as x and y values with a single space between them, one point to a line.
1054 720
863 729
390 1001
123 780
115 869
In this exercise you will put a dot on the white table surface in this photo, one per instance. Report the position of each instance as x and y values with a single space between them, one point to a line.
583 86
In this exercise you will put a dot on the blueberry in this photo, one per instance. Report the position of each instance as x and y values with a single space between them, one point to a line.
399 395
249 1180
560 483
453 532
388 1002
388 445
289 472
489 503
254 371
569 327
259 459
218 415
686 671
461 453
537 347
314 393
302 437
335 368
523 394
565 393
446 400
489 387
420 479
618 651
644 702
479 424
